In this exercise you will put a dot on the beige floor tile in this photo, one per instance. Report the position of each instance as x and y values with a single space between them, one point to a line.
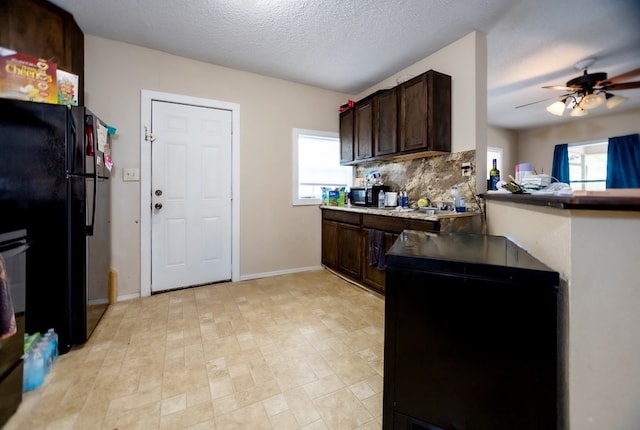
284 421
342 410
252 416
299 351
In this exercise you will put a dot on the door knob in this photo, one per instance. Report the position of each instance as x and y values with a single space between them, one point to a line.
158 193
158 206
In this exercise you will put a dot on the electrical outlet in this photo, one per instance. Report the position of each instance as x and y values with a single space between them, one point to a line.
466 169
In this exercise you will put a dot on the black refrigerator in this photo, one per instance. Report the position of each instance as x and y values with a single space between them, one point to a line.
54 183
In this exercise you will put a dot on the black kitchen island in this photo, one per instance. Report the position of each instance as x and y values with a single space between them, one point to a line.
471 335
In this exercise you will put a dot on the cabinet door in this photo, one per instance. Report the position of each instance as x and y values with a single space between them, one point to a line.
425 113
349 255
346 136
413 114
371 275
330 244
363 142
386 123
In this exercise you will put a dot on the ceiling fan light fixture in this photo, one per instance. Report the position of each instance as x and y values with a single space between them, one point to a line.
613 100
578 111
556 108
591 101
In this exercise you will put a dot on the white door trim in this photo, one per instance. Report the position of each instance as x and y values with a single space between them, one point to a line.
146 98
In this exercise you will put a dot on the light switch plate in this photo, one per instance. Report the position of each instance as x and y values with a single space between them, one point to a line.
130 174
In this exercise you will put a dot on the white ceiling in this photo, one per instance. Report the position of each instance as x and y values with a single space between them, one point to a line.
350 45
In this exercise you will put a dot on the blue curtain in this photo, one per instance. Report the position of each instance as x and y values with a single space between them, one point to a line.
623 162
560 166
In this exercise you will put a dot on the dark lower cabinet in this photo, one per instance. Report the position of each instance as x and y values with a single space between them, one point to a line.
372 276
349 257
471 339
345 242
341 242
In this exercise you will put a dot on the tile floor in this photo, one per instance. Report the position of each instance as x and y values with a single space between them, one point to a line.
299 351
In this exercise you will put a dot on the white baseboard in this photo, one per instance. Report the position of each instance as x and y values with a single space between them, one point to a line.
279 272
126 297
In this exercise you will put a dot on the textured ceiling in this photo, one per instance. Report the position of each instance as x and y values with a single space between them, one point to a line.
350 45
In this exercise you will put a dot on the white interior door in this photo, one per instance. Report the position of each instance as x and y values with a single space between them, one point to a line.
190 195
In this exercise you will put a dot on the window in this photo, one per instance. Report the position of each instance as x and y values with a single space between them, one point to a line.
588 165
316 164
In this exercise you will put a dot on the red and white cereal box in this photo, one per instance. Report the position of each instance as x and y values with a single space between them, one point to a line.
24 77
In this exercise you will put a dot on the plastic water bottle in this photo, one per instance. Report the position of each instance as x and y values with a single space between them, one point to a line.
53 339
381 199
33 369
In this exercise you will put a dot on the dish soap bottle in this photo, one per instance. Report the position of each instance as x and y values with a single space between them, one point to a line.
381 199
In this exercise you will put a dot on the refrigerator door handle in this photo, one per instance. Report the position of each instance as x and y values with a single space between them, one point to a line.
94 176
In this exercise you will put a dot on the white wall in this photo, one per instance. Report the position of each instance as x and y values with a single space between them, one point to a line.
274 236
536 145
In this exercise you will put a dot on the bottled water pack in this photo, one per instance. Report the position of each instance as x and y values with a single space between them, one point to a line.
40 354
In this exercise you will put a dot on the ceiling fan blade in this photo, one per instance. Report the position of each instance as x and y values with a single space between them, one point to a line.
544 100
620 78
561 87
622 86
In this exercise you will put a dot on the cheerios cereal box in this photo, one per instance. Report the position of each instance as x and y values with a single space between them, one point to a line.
67 88
27 78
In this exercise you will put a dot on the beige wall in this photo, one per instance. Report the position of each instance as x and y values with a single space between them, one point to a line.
508 141
274 236
536 145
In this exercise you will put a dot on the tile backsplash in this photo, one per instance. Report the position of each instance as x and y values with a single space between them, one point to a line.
431 177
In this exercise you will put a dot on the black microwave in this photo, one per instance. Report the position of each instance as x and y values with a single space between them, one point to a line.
367 196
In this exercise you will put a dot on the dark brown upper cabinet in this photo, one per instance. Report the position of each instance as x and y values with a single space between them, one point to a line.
385 108
363 142
41 29
346 136
424 108
410 120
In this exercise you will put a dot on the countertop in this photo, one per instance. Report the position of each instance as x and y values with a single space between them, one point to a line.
403 213
469 254
608 201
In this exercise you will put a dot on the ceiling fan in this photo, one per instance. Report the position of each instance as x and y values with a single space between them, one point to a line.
589 91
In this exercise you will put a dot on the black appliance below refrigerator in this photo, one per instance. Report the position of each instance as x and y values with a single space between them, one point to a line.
53 180
13 245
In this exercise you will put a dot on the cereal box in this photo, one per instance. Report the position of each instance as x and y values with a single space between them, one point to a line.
27 78
67 88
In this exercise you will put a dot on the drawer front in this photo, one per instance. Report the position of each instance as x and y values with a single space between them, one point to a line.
414 224
340 216
384 223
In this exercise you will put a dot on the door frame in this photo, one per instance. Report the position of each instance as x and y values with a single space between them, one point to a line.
146 99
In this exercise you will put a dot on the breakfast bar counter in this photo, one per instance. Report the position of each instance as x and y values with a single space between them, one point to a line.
592 240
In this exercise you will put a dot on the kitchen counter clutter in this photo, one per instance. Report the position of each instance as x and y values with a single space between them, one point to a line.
430 214
617 200
355 239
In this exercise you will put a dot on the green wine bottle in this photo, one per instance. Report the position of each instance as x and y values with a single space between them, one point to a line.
494 175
